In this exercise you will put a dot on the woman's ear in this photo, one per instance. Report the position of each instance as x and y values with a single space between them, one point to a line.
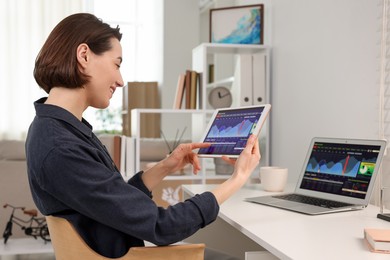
83 54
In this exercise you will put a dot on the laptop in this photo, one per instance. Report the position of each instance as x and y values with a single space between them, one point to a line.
337 175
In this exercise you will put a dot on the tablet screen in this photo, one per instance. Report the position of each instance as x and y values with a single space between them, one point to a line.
229 130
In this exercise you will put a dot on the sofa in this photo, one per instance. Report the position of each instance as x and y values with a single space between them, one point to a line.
14 187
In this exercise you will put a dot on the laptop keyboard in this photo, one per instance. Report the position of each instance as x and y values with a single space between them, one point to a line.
312 201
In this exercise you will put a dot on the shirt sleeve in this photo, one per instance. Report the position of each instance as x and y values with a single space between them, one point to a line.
80 180
137 181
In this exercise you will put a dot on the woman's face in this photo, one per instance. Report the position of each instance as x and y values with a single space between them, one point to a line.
105 76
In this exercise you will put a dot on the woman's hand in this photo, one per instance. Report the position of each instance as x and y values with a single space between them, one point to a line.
243 167
183 155
248 159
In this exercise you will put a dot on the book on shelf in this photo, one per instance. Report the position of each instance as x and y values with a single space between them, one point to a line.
179 91
129 157
378 240
141 95
153 120
194 85
200 89
136 99
122 161
211 74
188 90
113 145
126 130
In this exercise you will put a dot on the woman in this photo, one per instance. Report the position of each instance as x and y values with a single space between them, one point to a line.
70 172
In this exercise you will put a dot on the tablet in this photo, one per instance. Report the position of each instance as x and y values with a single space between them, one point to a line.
230 128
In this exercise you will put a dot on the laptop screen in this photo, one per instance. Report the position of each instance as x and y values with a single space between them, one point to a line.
341 168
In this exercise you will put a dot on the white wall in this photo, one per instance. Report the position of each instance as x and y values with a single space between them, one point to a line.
181 35
324 74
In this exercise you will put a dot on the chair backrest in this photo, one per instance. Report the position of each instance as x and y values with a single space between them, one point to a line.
68 244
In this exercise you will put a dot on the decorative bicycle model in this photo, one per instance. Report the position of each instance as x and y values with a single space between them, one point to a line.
34 226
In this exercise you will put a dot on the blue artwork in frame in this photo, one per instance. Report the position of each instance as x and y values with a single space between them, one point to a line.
237 25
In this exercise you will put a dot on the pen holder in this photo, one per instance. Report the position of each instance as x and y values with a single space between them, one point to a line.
382 214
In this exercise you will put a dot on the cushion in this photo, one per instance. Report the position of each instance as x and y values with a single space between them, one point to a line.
12 150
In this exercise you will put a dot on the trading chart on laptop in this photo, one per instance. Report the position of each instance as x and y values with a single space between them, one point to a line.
344 169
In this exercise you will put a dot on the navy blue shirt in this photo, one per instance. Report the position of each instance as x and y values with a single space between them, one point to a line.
72 176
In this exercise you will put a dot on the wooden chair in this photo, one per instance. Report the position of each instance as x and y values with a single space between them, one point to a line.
68 244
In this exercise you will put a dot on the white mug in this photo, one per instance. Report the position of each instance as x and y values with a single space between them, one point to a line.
273 178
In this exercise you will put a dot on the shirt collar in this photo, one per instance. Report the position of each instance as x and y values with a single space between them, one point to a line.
59 113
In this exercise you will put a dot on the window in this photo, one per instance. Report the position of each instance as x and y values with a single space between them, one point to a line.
141 26
24 25
31 21
384 104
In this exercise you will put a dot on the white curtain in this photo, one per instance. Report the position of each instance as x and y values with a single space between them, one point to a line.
140 22
24 26
384 104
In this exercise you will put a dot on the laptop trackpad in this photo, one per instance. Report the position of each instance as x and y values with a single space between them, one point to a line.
288 204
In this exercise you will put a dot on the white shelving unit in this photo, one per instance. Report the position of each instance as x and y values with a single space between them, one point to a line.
245 70
246 77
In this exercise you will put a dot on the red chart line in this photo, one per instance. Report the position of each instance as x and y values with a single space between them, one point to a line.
240 127
345 165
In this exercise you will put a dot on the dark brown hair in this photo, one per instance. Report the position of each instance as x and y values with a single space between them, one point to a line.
56 63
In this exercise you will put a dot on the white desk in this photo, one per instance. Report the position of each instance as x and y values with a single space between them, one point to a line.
290 235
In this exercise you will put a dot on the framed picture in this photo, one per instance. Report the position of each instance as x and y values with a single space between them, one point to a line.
237 25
